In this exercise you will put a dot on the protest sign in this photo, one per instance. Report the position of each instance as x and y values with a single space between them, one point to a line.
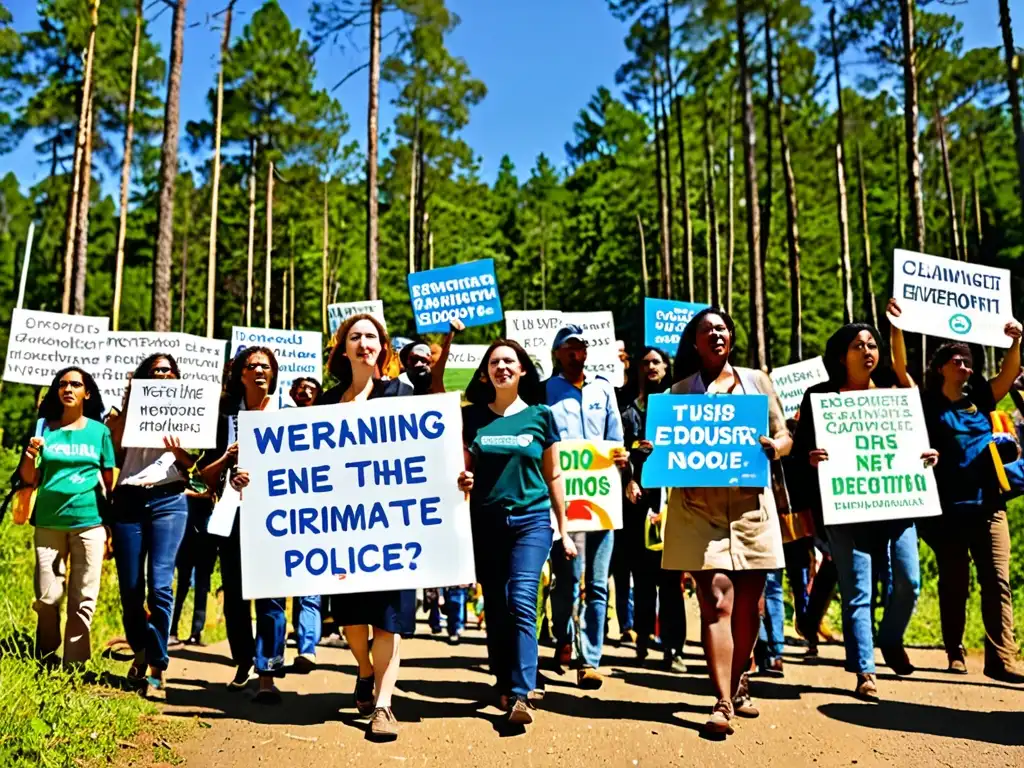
365 491
593 487
791 381
463 360
42 343
198 359
173 407
874 470
339 313
951 299
707 441
298 354
468 291
536 330
664 321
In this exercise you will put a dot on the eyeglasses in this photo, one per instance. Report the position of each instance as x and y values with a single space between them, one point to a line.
257 366
163 369
960 361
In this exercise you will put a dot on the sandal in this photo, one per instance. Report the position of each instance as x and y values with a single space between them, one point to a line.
364 696
720 722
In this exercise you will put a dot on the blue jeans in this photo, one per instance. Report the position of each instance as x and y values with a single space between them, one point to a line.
510 554
454 610
196 557
307 621
598 556
148 530
773 623
271 627
854 548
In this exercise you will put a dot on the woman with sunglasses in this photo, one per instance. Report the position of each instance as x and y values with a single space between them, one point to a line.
150 513
251 383
70 460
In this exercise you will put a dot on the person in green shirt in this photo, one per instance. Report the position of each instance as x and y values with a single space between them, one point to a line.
70 460
514 483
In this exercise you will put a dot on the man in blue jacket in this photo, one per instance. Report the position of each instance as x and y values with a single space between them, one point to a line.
584 407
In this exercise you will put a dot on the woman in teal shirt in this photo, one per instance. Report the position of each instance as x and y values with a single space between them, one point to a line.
514 483
71 461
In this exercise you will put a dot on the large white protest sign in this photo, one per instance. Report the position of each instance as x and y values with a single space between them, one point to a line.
463 360
175 408
198 359
951 299
298 353
358 497
874 470
339 313
42 343
791 381
536 330
593 486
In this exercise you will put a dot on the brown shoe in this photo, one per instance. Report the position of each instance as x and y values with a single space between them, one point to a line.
957 662
720 722
742 704
519 712
383 726
866 690
588 679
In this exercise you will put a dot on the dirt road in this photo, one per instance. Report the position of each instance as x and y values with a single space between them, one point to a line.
641 716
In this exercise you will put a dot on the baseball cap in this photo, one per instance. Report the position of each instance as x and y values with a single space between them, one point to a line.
566 334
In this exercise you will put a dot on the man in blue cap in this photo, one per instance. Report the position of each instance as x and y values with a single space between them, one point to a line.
584 407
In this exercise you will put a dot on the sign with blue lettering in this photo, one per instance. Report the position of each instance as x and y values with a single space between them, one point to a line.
664 321
951 299
298 353
707 441
468 291
358 497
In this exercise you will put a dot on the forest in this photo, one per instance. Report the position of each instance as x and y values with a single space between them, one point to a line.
733 158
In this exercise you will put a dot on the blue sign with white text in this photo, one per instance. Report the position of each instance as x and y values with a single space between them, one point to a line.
664 321
707 441
468 291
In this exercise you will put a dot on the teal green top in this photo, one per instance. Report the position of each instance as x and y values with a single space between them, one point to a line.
509 452
69 485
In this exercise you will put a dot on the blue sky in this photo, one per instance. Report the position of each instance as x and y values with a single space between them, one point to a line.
540 59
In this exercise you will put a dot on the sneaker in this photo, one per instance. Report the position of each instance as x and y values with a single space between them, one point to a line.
563 655
454 639
720 722
958 661
383 726
742 703
519 712
897 660
304 664
628 638
240 680
866 689
772 667
674 663
364 695
196 641
1011 673
589 679
334 640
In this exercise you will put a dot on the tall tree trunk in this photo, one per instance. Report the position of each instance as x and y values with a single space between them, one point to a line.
769 145
291 275
796 315
706 208
270 248
412 194
168 176
81 264
1012 70
252 233
963 224
430 248
211 258
323 270
947 177
669 93
371 151
901 222
758 341
977 215
910 118
730 258
684 195
845 267
643 255
126 169
663 221
422 216
284 299
869 284
666 148
543 262
184 265
715 272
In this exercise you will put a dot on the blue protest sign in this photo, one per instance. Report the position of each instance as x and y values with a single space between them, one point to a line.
468 291
664 321
706 441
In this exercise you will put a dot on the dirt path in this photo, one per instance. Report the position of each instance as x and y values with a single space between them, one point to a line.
640 717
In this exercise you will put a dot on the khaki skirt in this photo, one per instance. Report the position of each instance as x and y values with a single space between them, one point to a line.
726 529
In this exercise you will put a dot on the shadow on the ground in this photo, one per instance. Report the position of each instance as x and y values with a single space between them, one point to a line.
204 656
589 708
212 701
700 685
1001 728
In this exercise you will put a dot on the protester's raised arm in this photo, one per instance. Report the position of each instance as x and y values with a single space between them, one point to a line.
437 372
1010 369
898 346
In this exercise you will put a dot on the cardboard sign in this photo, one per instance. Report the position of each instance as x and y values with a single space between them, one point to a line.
536 331
198 359
298 354
952 299
42 343
468 291
339 313
463 360
874 470
707 441
664 321
358 497
593 486
172 407
791 381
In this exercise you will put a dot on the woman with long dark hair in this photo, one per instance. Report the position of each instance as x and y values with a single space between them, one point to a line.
855 362
654 587
251 383
727 538
70 460
149 516
958 404
514 483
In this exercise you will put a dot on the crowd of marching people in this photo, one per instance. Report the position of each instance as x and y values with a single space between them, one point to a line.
730 545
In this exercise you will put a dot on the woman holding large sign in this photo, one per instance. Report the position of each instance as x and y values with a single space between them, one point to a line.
958 410
514 483
728 538
361 354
